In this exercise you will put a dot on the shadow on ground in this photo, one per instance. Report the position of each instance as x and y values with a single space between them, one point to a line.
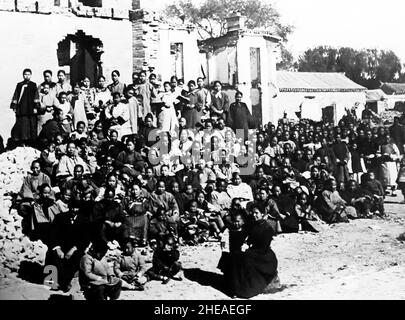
206 278
31 272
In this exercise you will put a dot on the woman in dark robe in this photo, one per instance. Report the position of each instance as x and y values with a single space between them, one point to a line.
25 104
192 111
239 116
342 158
130 161
250 272
137 218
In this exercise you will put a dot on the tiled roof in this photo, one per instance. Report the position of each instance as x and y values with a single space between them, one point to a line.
393 88
288 81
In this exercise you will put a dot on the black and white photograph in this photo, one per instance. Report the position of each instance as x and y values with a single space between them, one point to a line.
230 151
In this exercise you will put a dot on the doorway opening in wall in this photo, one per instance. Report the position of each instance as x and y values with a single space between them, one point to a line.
81 53
177 59
329 114
256 93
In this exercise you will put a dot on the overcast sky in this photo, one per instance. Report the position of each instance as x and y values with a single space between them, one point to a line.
353 23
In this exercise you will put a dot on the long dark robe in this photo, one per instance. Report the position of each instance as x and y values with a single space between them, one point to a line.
342 153
25 102
251 271
239 117
192 115
236 240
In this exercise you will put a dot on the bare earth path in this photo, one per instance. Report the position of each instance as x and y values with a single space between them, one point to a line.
359 260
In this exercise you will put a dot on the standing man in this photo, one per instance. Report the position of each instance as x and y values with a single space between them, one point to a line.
25 104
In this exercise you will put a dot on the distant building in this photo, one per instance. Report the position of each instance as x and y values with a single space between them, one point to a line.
317 95
377 100
244 59
394 93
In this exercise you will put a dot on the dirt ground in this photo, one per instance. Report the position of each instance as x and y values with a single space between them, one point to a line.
359 260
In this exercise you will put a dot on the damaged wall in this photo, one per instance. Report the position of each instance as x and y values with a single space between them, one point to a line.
31 41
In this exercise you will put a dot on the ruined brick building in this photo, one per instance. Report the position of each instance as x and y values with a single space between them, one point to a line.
94 37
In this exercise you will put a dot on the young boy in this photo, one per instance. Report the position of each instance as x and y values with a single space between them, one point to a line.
130 268
188 224
375 187
232 240
166 264
80 131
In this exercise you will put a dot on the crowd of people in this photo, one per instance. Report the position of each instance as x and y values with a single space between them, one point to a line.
150 165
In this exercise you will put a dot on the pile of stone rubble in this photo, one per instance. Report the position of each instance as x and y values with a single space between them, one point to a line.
14 246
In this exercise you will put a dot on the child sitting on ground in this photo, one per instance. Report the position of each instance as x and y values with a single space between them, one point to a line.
304 214
166 264
211 218
130 268
188 224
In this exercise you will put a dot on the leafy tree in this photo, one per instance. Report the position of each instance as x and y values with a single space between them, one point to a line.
287 61
210 19
368 67
210 16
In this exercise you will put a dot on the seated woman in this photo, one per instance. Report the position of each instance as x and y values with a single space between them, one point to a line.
160 198
117 116
331 207
211 216
250 271
304 213
37 218
181 146
109 219
96 277
137 216
113 183
359 198
239 189
130 161
130 268
29 189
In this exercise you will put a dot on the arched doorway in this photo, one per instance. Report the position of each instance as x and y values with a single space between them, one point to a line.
82 53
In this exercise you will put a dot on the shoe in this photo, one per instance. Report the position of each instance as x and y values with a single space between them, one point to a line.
66 289
177 278
137 287
165 280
